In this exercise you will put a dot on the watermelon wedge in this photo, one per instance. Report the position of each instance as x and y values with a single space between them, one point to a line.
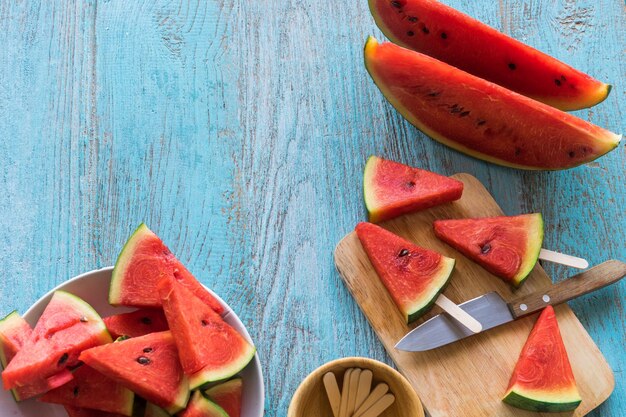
14 332
392 189
147 365
542 379
506 246
136 323
90 389
480 118
85 412
227 396
144 260
209 348
200 406
432 28
67 326
155 411
414 276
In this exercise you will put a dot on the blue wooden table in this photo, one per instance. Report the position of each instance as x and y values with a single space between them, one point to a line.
238 130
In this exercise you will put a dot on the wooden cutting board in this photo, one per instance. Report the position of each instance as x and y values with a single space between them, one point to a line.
469 377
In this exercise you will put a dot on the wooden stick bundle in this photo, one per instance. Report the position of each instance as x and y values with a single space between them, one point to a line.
357 399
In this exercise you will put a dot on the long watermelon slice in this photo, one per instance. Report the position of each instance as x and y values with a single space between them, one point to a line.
85 412
144 260
542 379
90 389
506 246
200 406
414 276
434 29
392 189
209 348
67 326
147 365
136 323
227 396
14 333
480 118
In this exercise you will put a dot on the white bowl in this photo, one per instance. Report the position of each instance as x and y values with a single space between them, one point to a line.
93 287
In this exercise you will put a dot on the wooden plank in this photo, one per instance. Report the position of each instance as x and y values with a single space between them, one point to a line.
470 376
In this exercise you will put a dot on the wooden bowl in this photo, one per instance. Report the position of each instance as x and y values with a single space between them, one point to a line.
310 399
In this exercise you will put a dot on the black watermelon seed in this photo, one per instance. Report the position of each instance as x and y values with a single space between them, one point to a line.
147 350
425 30
396 4
142 360
572 154
444 35
456 109
512 66
557 82
75 391
518 151
485 248
410 33
481 122
205 323
146 320
63 359
434 94
412 19
563 78
465 113
403 253
410 184
83 319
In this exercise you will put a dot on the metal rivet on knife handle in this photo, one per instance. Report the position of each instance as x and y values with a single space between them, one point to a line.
332 391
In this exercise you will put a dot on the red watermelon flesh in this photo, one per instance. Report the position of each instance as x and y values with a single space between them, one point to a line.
432 28
542 379
227 396
136 323
200 406
67 326
506 246
14 332
480 118
206 343
144 260
85 412
147 365
392 189
413 276
90 389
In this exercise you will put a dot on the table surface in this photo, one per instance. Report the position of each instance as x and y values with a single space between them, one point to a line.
238 131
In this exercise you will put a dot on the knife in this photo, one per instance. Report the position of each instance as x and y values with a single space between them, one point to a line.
491 310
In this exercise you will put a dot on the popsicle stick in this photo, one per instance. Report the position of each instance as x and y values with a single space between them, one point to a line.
343 406
381 405
458 314
561 258
365 386
332 391
378 392
354 385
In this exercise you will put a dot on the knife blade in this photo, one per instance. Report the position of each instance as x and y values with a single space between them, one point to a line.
491 310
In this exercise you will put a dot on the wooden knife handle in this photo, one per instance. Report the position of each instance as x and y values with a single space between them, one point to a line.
593 279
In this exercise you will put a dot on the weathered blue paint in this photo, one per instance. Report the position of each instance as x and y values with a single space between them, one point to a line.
238 130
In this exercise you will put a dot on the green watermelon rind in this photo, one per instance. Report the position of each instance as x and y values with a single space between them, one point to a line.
545 402
7 323
438 284
369 195
206 375
209 408
155 411
532 250
223 387
123 260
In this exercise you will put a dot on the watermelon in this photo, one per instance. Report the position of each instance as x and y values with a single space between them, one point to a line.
480 118
90 389
67 326
506 246
14 332
209 348
542 379
147 365
227 396
414 276
85 412
155 411
200 406
136 323
144 260
392 189
432 28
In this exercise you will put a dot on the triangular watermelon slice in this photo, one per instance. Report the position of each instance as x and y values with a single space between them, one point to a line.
90 389
210 349
144 260
147 365
414 276
136 323
392 189
543 378
85 412
67 326
200 406
506 246
14 332
227 396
